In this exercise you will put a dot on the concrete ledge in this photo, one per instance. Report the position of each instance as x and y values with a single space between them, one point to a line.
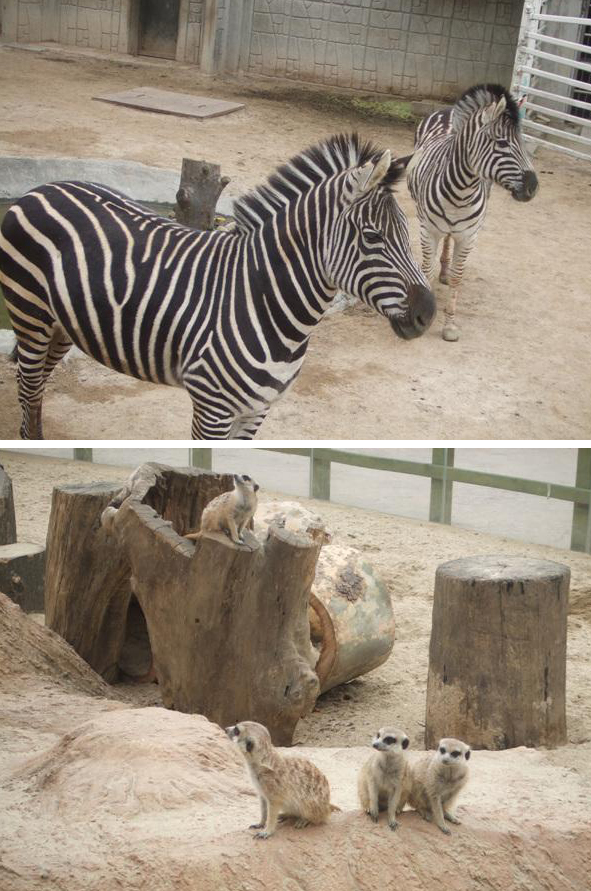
22 575
139 181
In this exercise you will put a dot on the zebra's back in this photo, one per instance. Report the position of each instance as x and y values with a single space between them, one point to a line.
100 266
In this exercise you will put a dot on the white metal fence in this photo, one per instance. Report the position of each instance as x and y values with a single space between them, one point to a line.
553 74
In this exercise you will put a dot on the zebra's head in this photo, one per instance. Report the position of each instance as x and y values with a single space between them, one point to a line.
490 116
367 248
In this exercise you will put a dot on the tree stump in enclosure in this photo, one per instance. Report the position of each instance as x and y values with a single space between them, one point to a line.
351 617
497 658
7 515
226 625
201 186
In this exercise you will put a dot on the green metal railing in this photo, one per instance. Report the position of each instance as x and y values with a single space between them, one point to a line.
443 474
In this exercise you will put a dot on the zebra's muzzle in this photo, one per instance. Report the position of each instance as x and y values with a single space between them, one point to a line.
422 308
528 188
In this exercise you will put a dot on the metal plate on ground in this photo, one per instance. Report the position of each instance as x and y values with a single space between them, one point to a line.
168 102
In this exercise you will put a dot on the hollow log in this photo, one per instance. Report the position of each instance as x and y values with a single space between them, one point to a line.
497 657
201 186
227 625
7 515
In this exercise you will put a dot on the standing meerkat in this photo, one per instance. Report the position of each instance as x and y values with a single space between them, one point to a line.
230 512
385 779
437 780
290 786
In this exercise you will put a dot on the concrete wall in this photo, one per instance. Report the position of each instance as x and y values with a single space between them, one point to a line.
407 47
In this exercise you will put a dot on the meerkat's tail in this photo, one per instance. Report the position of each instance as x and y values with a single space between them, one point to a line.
336 809
193 535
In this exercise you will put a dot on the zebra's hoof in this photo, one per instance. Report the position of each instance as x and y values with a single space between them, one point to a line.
444 278
451 333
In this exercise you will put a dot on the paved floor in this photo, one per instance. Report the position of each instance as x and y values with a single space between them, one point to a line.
526 517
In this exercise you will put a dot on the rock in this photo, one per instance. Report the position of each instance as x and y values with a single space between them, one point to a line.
22 575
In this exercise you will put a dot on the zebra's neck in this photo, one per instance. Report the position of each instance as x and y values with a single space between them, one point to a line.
465 183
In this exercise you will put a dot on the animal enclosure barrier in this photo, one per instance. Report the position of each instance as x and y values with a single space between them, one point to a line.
443 475
553 68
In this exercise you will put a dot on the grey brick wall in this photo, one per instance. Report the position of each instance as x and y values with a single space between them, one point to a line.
408 47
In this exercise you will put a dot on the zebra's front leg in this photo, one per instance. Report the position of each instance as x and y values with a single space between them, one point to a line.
246 427
429 243
445 260
451 332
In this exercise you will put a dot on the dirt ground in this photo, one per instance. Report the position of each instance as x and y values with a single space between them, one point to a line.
521 369
406 554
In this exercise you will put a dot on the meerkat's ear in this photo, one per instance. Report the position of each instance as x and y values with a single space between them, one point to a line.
249 745
468 755
256 487
405 742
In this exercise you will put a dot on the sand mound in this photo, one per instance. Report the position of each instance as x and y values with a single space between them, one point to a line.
134 761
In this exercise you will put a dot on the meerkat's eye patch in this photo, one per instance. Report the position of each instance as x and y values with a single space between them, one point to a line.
405 743
456 754
249 745
468 755
236 730
389 740
246 478
442 749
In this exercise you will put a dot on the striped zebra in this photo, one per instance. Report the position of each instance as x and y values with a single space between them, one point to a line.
459 153
226 314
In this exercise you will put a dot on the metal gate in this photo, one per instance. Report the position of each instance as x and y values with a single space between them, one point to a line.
552 74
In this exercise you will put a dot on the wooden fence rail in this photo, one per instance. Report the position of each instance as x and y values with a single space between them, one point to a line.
443 474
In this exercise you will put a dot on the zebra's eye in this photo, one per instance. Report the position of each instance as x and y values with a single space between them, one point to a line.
502 143
372 237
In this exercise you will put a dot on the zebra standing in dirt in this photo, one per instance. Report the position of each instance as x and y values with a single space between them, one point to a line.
227 314
459 153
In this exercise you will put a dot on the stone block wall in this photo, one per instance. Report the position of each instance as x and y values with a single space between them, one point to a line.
415 48
406 47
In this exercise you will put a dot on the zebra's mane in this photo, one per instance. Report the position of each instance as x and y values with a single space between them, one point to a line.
478 97
304 171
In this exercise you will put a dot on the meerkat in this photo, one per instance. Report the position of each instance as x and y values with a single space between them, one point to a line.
385 779
437 780
287 786
231 511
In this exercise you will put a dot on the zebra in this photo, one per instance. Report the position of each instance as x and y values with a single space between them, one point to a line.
459 153
226 314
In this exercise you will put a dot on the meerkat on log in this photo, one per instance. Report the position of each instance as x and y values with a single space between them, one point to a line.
230 512
385 780
437 780
287 786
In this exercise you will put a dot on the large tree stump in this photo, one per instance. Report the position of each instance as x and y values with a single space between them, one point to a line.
227 625
7 516
201 186
497 659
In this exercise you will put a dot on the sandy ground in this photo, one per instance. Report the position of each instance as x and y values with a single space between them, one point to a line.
406 554
520 370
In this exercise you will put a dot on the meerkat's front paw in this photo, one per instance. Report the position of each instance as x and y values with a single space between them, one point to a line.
256 825
301 823
445 830
374 815
453 819
393 824
265 834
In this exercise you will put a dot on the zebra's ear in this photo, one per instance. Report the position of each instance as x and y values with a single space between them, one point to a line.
363 179
492 112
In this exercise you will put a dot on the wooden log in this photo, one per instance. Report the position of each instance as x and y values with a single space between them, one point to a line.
497 658
227 625
88 591
201 186
7 515
87 588
22 569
